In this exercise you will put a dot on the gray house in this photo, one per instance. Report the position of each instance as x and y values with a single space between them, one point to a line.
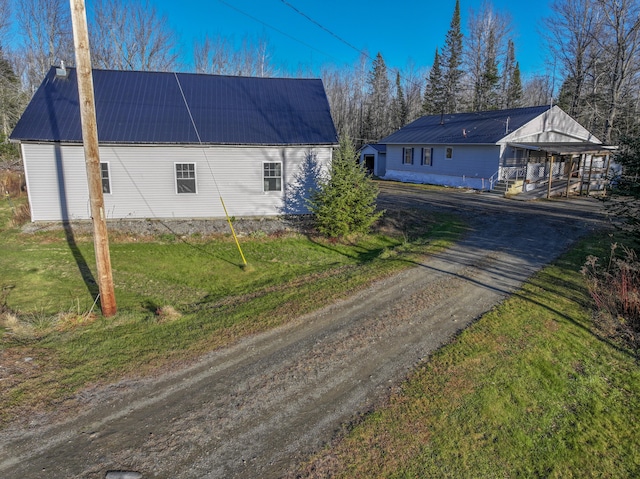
172 144
479 150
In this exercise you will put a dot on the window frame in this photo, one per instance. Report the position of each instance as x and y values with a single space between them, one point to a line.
108 177
404 155
270 177
448 153
423 161
177 180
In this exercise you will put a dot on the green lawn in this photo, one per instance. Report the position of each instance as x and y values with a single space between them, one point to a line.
47 314
530 390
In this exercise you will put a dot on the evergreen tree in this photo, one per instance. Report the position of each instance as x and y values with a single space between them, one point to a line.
508 77
451 62
12 102
490 77
515 91
345 202
399 110
379 99
434 100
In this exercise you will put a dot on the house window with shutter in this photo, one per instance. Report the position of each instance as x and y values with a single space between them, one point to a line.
427 154
104 176
407 156
185 178
272 176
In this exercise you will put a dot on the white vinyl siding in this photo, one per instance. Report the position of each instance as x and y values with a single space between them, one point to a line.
143 180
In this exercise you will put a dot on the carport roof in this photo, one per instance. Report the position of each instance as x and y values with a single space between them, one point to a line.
568 148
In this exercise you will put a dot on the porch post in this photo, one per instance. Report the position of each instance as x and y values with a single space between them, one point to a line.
606 174
583 160
569 176
590 171
550 177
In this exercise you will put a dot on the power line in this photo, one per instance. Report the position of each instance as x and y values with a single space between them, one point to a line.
325 29
276 29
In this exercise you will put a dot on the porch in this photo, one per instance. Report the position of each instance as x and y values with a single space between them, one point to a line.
551 173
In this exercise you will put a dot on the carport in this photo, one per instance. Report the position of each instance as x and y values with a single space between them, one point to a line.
580 165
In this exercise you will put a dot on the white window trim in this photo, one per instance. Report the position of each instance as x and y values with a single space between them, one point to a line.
404 155
445 153
425 150
108 177
175 175
273 192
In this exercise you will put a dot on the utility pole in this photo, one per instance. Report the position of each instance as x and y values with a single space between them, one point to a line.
92 156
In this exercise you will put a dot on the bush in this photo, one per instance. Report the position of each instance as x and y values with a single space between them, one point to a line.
616 292
11 183
623 201
345 202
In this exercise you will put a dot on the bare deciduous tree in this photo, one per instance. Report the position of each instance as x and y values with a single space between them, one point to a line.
219 56
132 36
572 32
45 29
486 47
5 20
620 43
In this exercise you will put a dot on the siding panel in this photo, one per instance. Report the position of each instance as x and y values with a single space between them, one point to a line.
143 181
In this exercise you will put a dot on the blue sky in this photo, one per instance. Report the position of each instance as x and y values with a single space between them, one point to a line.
403 31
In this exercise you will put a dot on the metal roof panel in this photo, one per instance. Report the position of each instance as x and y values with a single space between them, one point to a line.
149 107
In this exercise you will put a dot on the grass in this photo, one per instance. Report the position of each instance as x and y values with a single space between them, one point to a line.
529 390
177 297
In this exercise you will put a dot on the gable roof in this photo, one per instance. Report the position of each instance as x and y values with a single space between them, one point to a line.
485 127
148 108
379 147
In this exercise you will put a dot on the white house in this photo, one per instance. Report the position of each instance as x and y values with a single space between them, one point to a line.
478 150
173 144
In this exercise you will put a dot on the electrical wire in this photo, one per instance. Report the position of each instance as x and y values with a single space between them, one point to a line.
204 152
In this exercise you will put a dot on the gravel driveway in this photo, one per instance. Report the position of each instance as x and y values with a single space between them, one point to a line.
255 410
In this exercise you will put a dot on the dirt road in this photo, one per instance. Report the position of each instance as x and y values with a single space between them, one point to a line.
258 408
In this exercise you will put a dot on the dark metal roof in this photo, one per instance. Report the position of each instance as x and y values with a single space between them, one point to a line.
148 107
486 127
377 146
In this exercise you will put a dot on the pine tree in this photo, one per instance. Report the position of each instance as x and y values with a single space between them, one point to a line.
511 82
451 61
379 99
399 110
434 101
515 91
488 98
345 202
12 102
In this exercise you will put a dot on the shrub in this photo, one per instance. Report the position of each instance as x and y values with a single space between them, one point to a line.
345 202
615 290
11 183
21 215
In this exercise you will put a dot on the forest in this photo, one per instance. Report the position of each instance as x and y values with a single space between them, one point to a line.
592 52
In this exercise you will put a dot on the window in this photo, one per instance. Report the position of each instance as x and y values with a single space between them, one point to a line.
186 177
272 176
407 156
448 153
104 176
427 154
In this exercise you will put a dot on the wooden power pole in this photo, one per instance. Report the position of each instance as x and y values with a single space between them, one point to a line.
92 156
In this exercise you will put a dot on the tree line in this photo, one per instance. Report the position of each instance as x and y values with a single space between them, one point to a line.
593 58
